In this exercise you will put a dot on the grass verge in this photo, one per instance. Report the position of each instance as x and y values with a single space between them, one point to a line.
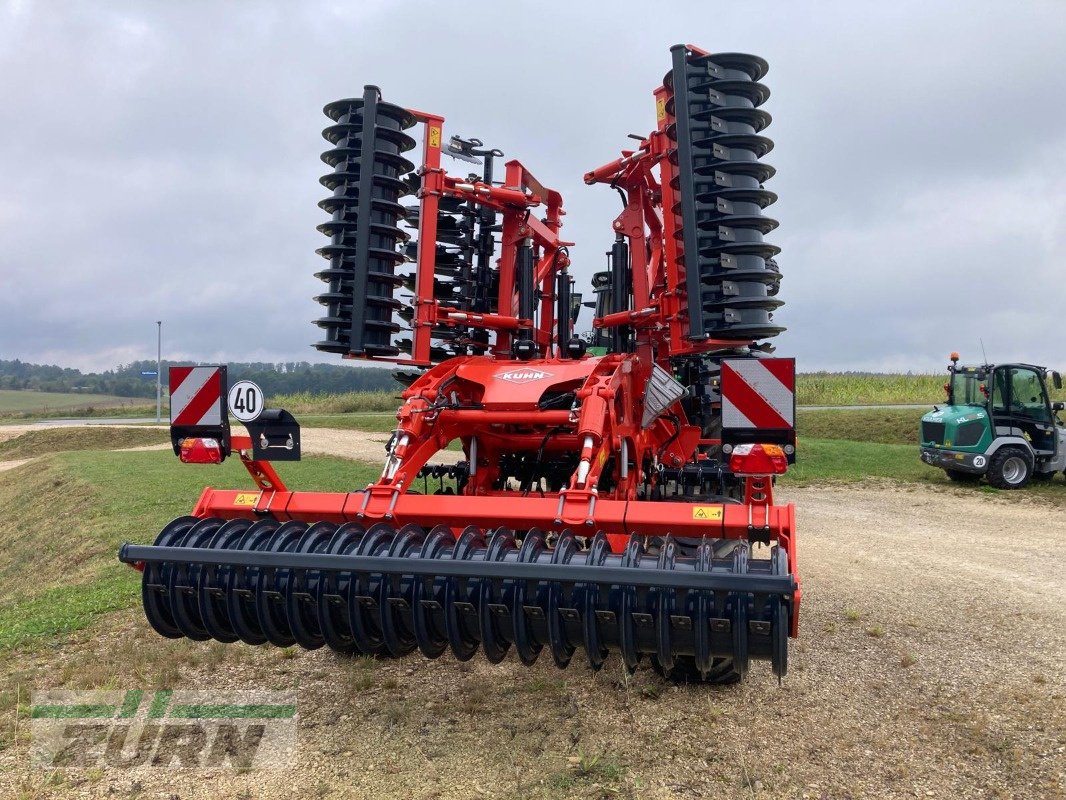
53 440
882 426
820 460
65 516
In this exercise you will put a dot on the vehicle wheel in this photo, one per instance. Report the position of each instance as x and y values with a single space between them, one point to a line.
959 476
684 671
1043 477
1010 468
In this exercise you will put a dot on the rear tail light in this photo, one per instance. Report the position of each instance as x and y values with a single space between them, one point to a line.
200 451
758 459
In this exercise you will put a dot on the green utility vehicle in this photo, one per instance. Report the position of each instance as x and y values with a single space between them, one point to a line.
999 422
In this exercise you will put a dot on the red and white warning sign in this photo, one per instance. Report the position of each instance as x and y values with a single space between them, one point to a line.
196 396
759 393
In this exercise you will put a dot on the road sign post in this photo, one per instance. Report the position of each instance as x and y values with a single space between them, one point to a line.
159 370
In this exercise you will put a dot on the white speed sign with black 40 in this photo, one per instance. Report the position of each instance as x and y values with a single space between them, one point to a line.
246 401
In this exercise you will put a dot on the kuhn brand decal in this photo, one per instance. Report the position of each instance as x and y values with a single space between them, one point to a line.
523 375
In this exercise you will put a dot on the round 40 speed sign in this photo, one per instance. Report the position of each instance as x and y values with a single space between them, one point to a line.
246 401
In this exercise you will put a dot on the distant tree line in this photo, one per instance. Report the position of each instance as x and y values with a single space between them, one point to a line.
126 381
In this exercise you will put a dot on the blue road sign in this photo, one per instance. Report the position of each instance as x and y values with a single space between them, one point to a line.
148 373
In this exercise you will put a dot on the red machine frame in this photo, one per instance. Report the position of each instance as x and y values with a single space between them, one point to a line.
465 398
500 404
515 201
659 315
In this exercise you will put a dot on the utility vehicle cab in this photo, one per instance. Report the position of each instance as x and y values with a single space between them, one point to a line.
999 421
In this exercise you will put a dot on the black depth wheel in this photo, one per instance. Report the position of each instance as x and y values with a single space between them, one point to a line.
1010 468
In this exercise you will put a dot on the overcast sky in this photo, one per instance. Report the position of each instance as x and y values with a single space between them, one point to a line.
160 160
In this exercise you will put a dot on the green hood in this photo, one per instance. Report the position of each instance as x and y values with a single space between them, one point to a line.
965 428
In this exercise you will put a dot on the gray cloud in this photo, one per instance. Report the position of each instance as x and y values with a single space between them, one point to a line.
160 160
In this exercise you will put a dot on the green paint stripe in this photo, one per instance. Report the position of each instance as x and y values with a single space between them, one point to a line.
234 712
71 712
159 704
131 704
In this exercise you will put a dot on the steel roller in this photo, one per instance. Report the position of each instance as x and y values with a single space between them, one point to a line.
382 590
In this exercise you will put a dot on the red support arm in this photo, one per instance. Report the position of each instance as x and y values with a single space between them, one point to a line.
429 203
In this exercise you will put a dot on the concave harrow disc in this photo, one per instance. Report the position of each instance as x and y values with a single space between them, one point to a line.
386 591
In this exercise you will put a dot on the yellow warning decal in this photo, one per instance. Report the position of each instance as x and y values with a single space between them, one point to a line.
708 513
660 109
602 458
434 136
245 499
